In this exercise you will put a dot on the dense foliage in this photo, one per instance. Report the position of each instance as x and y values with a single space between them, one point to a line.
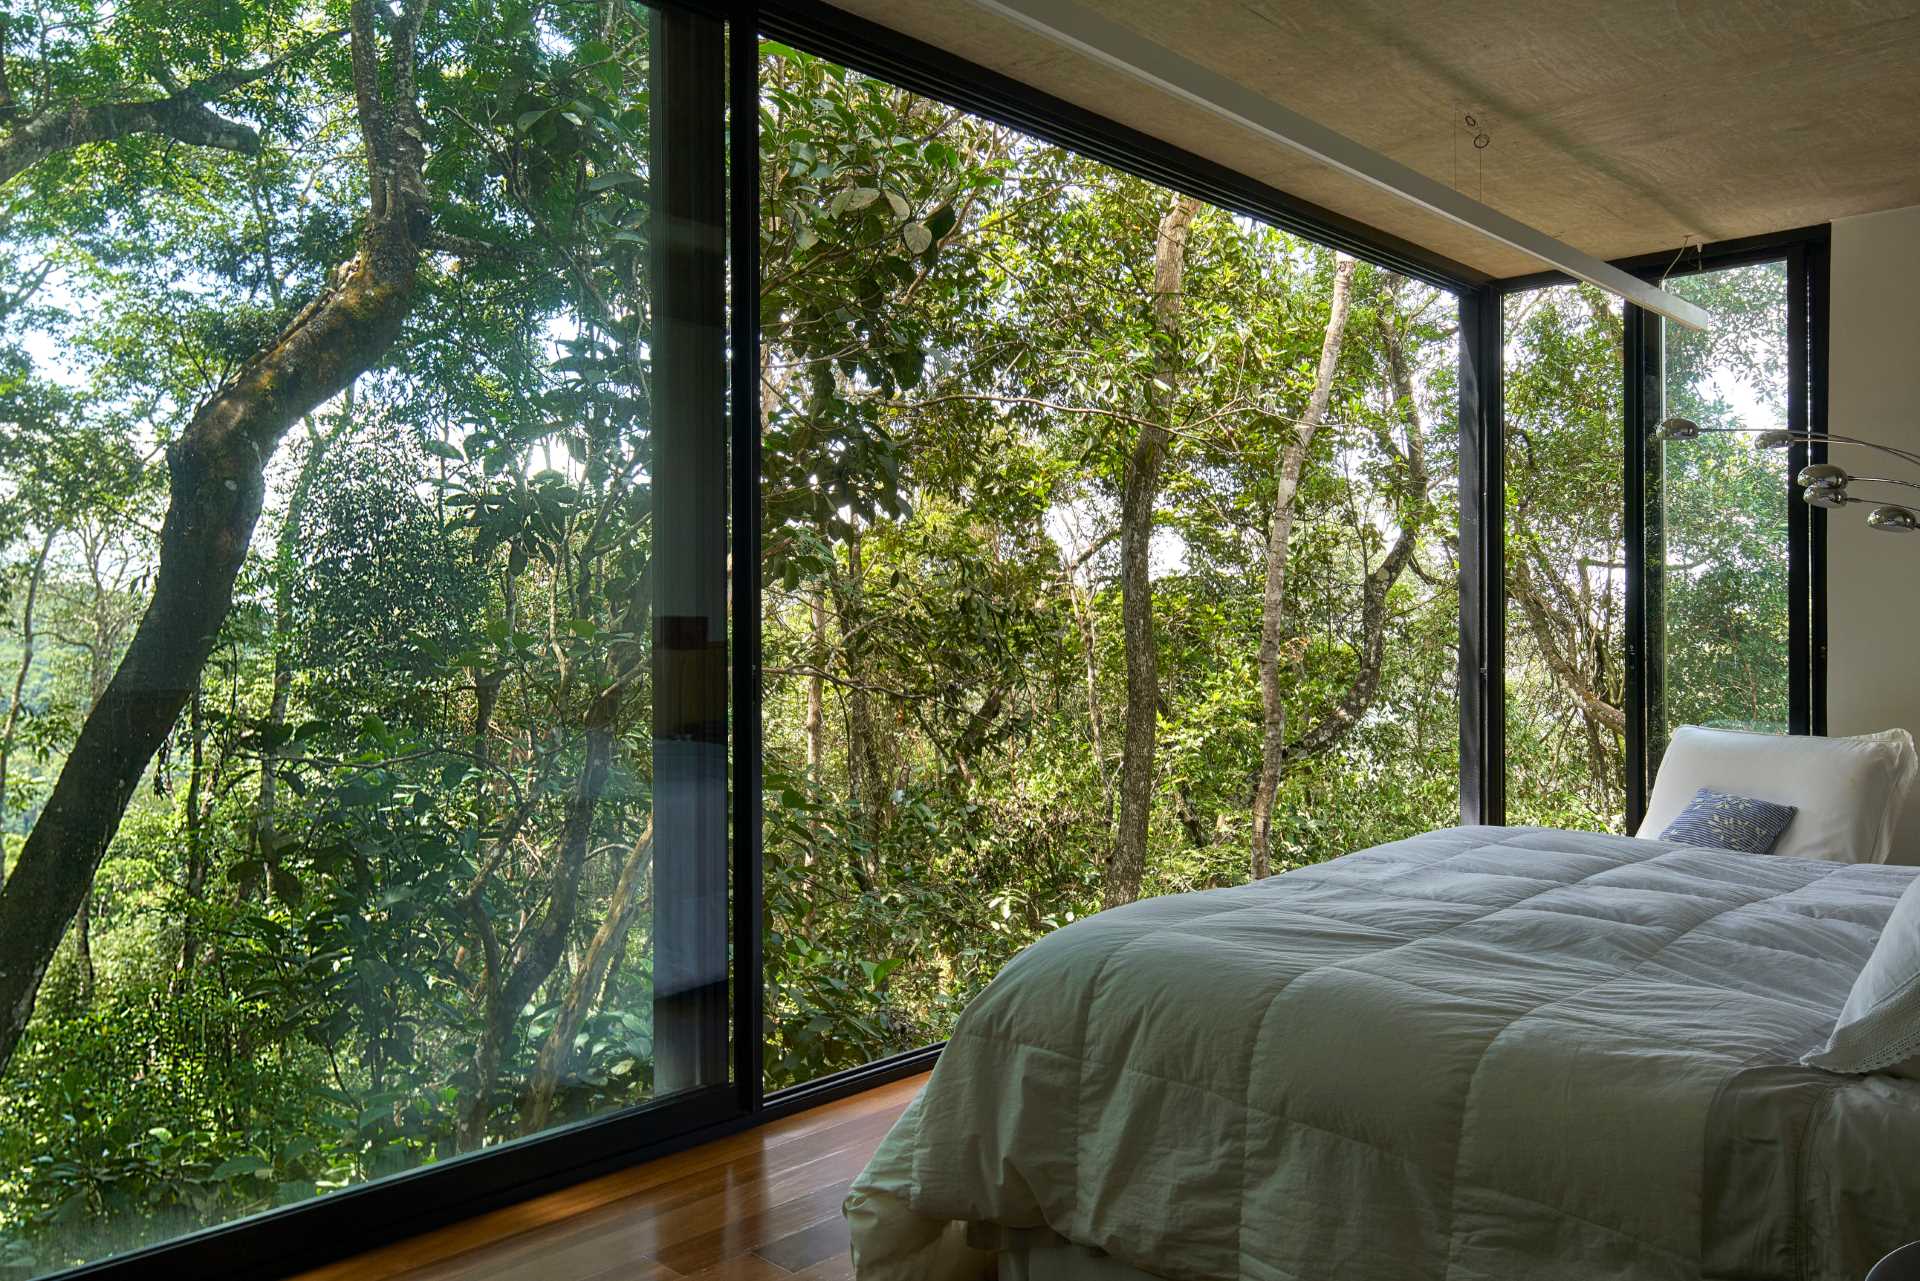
383 893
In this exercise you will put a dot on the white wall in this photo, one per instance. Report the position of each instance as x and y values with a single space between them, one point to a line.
1873 579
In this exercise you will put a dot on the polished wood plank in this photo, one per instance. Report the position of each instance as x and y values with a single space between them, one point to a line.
751 1226
763 1205
838 1268
744 1267
695 1208
815 1243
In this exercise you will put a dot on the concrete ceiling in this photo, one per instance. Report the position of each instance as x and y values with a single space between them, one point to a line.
1619 126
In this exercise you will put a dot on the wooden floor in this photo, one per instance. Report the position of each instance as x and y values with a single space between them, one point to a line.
760 1206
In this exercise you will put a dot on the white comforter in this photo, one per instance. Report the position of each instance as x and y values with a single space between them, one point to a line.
1480 1053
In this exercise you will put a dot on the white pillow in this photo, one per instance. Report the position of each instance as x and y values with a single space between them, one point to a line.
1879 1026
1848 790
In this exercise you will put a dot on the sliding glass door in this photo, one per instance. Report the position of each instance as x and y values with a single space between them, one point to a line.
434 857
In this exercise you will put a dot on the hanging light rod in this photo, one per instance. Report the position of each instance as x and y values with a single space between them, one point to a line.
1079 28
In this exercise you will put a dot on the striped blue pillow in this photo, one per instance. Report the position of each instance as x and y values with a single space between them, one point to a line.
1723 822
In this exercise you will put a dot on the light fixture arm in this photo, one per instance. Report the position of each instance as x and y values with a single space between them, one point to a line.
1833 438
1820 484
1780 436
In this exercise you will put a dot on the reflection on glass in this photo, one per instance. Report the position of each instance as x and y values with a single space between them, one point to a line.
1720 504
435 857
990 368
1566 559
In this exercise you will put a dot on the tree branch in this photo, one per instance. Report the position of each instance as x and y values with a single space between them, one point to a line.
182 116
1415 512
1541 619
469 248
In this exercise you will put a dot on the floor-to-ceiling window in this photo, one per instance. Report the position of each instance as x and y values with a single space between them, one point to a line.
1566 582
1652 583
1109 552
363 547
1719 596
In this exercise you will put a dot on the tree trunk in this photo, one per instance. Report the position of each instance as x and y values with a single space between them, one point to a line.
216 469
817 691
1273 600
83 947
1415 511
1557 635
12 726
486 685
867 773
588 982
511 978
1140 490
1090 664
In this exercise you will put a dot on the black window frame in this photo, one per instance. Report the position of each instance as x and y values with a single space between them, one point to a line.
1804 250
344 1223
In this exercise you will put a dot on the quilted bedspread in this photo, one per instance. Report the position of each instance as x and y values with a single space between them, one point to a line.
1479 1053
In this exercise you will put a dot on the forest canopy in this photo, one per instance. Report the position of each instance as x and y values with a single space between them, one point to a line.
1110 549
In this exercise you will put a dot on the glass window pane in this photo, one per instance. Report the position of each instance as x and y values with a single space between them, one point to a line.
1723 512
1566 559
1031 423
433 857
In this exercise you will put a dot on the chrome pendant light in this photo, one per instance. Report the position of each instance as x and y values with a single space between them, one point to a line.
1894 519
1821 484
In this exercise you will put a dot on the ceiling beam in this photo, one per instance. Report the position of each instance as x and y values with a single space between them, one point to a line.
1078 28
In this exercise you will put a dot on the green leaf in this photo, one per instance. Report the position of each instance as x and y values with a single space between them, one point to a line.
619 177
941 222
236 1166
917 237
907 366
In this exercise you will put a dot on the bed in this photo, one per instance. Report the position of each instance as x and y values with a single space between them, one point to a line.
1478 1053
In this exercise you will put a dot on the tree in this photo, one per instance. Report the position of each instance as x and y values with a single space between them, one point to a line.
1566 555
1273 737
216 470
1139 491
